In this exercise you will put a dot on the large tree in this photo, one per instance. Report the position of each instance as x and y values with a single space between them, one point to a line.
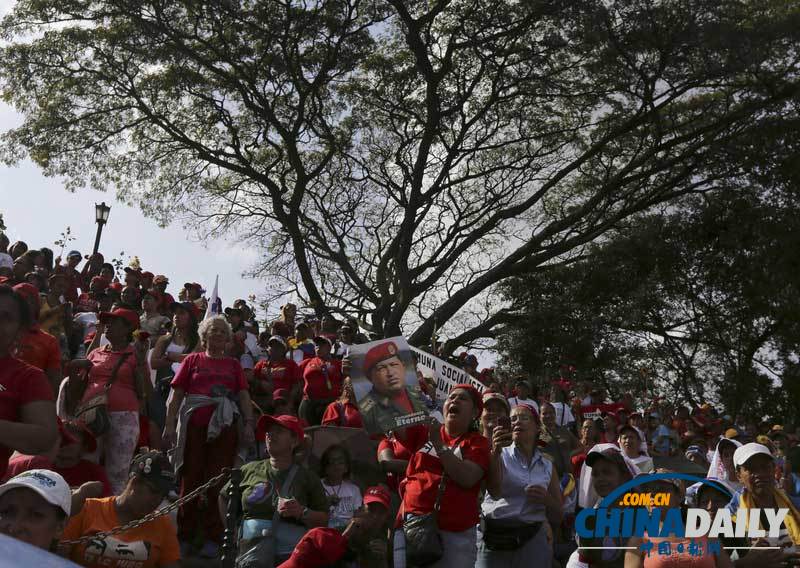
396 161
698 303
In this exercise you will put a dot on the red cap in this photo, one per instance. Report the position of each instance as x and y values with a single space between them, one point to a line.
27 291
280 394
378 494
531 409
128 315
319 547
99 280
291 423
379 353
147 274
116 286
477 398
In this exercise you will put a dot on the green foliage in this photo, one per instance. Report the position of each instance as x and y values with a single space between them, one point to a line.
397 160
700 302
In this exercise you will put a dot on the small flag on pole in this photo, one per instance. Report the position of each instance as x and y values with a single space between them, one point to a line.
213 308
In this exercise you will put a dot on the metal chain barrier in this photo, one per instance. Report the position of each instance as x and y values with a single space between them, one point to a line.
155 514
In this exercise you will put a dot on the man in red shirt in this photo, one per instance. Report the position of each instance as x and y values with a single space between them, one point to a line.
37 347
72 276
276 372
322 382
160 283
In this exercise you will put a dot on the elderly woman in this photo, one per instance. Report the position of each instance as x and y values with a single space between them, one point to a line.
281 500
445 475
209 397
152 544
118 369
524 495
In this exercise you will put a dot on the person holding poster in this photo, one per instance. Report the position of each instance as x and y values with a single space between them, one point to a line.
386 383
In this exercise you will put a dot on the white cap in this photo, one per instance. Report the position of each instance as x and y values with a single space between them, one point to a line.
747 451
50 485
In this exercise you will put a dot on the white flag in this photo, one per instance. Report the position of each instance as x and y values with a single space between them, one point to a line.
213 308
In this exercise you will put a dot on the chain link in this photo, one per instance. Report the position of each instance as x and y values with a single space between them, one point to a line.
155 514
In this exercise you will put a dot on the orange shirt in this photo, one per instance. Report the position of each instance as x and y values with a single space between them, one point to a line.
40 349
151 545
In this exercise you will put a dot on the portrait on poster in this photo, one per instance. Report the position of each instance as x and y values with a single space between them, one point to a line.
386 385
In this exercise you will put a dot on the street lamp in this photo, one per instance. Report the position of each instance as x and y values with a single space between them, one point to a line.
101 211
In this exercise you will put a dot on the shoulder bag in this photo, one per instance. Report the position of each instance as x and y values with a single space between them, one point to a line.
423 541
94 412
259 551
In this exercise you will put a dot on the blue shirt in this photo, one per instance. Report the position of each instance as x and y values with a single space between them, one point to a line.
518 473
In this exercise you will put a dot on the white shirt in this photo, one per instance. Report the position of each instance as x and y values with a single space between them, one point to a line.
564 415
349 496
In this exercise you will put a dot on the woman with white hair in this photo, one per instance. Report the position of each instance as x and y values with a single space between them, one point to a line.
204 416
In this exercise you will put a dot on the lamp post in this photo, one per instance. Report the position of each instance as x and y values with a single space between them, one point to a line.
101 211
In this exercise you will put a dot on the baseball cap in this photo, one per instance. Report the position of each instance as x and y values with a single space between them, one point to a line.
194 285
628 428
131 270
377 494
48 484
291 423
487 396
160 278
74 253
147 274
747 451
322 339
99 280
731 433
612 454
229 311
319 547
128 315
380 352
277 338
154 466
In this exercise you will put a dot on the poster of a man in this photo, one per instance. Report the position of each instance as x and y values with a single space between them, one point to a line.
386 385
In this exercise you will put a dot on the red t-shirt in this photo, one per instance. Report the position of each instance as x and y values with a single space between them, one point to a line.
40 349
323 379
403 444
85 304
122 395
343 414
201 374
459 507
285 374
75 476
20 384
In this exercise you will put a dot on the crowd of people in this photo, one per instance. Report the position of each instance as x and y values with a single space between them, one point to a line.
117 399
